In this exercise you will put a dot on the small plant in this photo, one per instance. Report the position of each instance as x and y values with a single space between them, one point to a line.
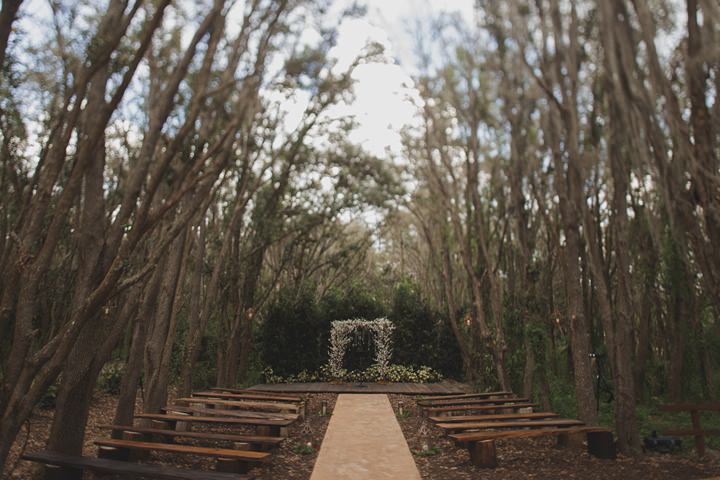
404 414
393 373
111 376
48 400
427 453
303 448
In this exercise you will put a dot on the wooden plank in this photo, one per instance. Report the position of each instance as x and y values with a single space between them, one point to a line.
689 407
448 427
117 467
212 412
477 401
248 455
465 395
449 388
690 432
479 408
254 439
272 407
499 416
240 396
487 435
217 420
256 394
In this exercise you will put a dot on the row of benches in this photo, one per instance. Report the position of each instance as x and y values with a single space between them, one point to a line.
486 417
269 414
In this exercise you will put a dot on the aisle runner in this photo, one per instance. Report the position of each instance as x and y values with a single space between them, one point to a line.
364 441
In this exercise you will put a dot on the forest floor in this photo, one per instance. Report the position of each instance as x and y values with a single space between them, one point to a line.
292 460
540 459
518 459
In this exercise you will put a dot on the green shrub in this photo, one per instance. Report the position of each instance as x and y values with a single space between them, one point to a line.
48 400
289 336
111 376
395 373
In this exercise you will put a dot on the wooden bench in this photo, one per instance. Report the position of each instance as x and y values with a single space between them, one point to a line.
228 460
213 412
477 401
256 442
562 422
696 431
483 452
427 401
248 394
70 467
267 406
487 418
271 428
430 411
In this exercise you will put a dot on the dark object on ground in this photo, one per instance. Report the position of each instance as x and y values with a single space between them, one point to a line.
662 444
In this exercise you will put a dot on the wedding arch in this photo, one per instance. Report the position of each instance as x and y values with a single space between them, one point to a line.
341 335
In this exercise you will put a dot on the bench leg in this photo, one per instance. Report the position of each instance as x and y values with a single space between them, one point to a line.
570 440
55 472
163 424
242 446
271 431
181 426
137 455
231 465
114 453
699 439
601 445
483 453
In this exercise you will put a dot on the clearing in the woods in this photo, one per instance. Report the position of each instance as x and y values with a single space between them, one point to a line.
218 217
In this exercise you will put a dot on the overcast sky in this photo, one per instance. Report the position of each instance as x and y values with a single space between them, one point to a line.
386 99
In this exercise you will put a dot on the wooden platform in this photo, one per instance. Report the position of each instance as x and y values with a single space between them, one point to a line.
446 387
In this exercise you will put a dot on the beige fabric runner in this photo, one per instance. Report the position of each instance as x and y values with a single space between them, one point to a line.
364 441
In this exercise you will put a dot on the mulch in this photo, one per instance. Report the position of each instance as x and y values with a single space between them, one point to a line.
538 458
287 462
517 459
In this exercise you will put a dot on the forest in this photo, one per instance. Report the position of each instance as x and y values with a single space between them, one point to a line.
183 206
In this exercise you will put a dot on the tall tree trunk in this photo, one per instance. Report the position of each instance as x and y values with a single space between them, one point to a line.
125 410
8 14
194 333
161 332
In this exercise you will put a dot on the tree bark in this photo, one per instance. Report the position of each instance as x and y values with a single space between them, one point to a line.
161 331
8 15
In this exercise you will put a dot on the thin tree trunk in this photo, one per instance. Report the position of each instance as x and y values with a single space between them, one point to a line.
194 333
161 333
8 14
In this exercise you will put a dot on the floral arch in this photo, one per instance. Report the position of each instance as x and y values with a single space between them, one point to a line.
341 335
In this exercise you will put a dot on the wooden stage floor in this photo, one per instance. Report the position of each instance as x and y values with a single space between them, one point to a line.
446 387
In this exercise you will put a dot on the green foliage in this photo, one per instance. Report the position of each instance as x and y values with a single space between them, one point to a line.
289 337
396 373
302 449
434 450
422 336
415 326
49 398
293 339
111 376
294 334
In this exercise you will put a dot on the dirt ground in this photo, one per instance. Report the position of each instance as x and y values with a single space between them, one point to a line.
289 461
538 458
518 459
